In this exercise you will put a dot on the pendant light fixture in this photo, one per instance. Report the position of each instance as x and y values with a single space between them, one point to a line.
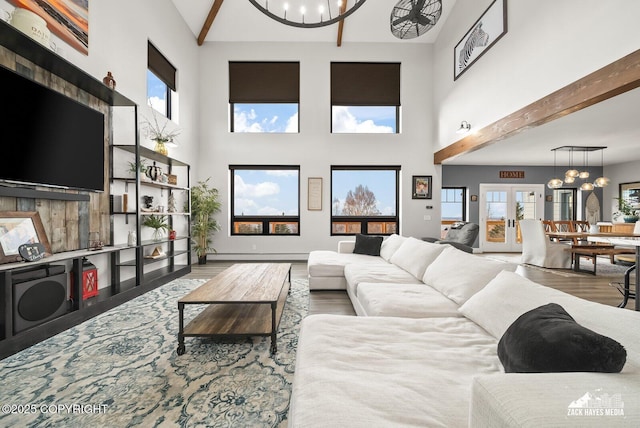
554 183
572 173
584 174
601 181
296 14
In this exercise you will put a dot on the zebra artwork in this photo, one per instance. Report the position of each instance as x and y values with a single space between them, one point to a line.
476 39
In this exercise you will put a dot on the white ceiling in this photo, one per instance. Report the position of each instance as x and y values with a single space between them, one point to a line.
240 21
611 123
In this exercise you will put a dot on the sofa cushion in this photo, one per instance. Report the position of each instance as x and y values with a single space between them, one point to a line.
331 263
548 339
369 245
415 255
390 245
459 275
357 273
404 300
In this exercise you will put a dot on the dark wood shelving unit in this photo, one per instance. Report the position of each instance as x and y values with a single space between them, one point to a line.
118 292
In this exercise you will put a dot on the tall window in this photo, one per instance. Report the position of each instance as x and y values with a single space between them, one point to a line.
364 200
161 81
365 97
454 204
564 207
264 96
265 200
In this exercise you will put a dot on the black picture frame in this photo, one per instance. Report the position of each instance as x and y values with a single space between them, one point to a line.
421 187
490 27
630 192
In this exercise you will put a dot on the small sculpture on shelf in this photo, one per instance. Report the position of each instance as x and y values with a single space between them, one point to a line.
171 203
154 172
148 202
109 81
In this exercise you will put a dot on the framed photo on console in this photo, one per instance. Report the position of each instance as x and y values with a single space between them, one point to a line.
17 228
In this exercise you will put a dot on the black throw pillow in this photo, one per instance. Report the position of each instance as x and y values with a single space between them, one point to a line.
369 245
548 339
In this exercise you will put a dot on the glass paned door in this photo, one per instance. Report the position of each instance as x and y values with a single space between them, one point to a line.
501 206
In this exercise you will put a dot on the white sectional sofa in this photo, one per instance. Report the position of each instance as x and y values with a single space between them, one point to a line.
429 356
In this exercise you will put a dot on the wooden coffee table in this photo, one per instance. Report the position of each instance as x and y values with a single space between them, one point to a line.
246 299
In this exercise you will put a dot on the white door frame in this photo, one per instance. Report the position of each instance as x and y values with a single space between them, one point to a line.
510 243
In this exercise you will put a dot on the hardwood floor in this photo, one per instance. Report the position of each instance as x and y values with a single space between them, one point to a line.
594 288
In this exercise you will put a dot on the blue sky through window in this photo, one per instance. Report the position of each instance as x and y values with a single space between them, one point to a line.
265 192
381 182
156 93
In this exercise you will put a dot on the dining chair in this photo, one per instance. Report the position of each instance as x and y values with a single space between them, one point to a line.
538 250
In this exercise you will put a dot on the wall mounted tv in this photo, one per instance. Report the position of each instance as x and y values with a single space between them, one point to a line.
58 141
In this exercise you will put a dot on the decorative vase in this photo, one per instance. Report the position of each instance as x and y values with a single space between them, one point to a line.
161 148
202 260
172 234
109 80
630 218
154 172
157 234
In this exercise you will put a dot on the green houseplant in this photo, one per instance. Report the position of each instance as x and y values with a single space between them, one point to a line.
204 204
629 214
158 223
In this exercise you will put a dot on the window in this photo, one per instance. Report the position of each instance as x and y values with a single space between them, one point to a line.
264 96
454 204
365 97
364 200
563 204
161 81
266 200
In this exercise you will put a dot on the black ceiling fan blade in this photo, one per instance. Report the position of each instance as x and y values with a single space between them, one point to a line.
401 20
425 20
418 7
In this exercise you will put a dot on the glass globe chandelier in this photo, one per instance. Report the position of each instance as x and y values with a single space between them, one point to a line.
572 173
554 183
307 13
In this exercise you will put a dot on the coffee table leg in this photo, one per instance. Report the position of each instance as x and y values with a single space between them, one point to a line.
181 347
274 346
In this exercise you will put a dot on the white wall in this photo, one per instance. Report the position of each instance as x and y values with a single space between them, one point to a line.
315 149
549 44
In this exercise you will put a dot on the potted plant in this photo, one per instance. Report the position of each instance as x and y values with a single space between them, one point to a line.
160 134
204 204
133 169
628 213
158 223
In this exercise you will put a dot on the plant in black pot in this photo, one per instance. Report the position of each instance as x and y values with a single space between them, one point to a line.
628 213
204 204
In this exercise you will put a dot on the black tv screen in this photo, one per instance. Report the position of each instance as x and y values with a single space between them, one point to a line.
48 138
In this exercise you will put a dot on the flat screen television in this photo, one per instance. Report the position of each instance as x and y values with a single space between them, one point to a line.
55 141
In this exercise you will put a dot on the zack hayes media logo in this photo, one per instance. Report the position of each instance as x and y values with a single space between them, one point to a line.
597 404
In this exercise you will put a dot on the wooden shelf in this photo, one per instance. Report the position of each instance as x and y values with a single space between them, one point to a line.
146 152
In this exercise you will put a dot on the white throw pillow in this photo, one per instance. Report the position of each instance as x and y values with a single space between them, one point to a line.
415 255
391 245
459 275
504 299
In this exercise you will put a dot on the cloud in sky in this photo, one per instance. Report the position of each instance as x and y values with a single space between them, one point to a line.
268 119
259 190
346 122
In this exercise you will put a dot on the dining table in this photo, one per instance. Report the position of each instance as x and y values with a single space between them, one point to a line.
619 239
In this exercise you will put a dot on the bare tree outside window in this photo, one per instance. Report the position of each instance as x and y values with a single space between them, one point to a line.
360 202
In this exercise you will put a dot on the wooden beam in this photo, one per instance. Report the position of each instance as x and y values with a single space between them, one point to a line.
614 79
343 9
207 23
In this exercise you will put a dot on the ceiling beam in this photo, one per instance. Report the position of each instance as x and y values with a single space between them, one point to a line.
343 9
614 79
207 23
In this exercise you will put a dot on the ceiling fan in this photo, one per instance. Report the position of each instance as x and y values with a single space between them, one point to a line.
413 18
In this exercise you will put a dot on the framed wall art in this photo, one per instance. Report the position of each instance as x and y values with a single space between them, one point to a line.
630 192
421 187
17 228
483 34
314 197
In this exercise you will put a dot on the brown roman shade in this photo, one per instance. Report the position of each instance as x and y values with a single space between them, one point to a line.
365 84
161 67
264 82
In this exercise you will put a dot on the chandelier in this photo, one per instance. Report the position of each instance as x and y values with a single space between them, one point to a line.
572 173
307 13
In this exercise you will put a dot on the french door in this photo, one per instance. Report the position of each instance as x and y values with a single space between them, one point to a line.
501 206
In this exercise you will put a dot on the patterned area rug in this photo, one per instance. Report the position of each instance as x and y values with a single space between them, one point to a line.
120 369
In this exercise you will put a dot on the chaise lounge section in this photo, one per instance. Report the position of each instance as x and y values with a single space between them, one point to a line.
440 368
